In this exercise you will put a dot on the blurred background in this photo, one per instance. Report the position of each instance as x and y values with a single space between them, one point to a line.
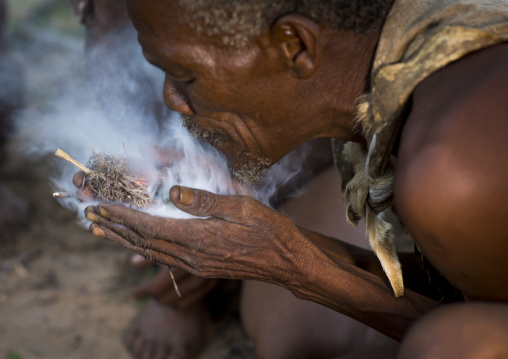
63 292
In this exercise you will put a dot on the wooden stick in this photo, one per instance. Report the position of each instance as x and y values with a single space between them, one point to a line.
65 156
174 282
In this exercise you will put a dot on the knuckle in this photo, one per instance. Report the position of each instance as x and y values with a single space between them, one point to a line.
145 225
136 240
246 206
149 254
206 202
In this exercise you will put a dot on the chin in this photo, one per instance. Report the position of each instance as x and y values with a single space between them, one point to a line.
251 171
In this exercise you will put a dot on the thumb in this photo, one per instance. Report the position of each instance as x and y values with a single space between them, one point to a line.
202 203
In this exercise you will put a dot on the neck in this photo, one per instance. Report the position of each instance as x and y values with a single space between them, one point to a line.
345 77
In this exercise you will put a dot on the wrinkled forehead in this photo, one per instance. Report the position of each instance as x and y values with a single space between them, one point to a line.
160 24
156 16
165 23
201 22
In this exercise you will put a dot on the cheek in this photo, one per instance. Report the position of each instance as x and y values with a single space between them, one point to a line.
225 94
219 99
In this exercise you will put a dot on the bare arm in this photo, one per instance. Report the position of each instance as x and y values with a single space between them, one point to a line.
451 177
416 278
364 296
244 239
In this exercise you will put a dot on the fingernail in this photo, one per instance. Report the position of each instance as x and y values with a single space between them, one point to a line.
92 217
186 196
96 231
103 213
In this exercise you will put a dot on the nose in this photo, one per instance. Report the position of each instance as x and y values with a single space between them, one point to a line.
174 99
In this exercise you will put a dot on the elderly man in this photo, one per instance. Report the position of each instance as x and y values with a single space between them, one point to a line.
267 76
173 327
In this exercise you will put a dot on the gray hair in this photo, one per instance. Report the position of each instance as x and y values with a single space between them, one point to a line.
236 21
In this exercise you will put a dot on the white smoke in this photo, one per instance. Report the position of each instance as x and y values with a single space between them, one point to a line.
117 109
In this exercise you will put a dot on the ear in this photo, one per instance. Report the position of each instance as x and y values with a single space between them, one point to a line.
299 40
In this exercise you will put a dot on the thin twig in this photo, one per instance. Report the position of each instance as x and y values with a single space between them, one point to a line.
65 156
174 283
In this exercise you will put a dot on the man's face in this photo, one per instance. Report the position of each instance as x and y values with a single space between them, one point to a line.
243 102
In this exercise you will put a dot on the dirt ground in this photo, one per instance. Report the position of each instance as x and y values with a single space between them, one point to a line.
64 293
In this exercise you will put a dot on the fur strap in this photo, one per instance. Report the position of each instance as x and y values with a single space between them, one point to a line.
370 198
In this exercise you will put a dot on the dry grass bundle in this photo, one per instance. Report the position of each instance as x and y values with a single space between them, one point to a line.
112 179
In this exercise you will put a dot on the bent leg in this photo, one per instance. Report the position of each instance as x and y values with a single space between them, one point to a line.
283 326
464 330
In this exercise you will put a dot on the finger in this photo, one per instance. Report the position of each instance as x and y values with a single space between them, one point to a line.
78 180
144 224
206 204
85 195
147 226
93 214
150 249
161 156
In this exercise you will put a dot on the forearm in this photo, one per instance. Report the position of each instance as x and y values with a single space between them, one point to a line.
331 278
349 253
415 278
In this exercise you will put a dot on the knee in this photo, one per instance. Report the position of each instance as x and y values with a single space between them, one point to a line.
466 330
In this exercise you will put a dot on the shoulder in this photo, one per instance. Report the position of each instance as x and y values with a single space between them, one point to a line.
451 184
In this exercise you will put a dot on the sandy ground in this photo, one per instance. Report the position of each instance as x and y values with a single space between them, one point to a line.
64 293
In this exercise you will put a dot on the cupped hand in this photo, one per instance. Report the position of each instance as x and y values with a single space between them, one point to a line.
241 238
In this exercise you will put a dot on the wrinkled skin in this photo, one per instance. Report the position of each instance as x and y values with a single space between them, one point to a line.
105 21
246 240
203 255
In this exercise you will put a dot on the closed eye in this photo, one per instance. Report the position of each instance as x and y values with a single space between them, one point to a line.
181 78
176 73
